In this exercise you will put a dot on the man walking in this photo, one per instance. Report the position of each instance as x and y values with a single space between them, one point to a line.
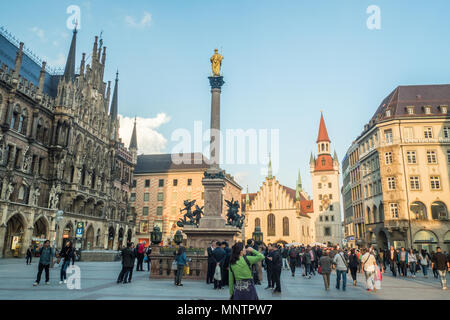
442 264
393 258
293 259
404 262
284 255
46 256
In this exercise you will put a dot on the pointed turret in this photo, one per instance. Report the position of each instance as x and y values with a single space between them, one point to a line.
323 134
335 157
247 198
133 142
312 161
18 62
269 173
114 103
69 71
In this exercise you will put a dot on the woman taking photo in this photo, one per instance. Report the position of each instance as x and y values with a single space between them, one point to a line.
180 259
66 254
240 273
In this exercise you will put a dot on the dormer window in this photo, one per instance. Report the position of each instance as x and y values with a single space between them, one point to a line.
427 109
388 112
410 109
444 109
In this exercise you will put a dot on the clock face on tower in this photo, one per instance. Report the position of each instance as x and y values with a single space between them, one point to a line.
324 178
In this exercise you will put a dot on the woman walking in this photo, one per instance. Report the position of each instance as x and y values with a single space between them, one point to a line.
66 254
325 269
368 264
353 264
424 261
240 280
180 258
412 262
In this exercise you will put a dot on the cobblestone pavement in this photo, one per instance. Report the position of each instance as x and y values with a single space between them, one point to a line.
98 283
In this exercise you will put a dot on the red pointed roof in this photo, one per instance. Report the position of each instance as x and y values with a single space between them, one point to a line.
323 134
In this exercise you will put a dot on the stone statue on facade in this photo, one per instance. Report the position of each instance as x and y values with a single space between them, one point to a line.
27 160
9 191
53 199
2 147
233 216
34 196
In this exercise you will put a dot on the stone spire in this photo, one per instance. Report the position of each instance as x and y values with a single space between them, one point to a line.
335 157
247 198
114 103
269 173
312 160
299 188
133 142
69 71
18 62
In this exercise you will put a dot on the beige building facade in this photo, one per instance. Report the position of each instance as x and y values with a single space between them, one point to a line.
404 153
282 213
160 188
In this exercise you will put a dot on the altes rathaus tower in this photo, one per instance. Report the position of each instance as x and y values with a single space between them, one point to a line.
65 173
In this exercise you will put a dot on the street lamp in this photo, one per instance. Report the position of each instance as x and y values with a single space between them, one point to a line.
156 235
178 238
257 235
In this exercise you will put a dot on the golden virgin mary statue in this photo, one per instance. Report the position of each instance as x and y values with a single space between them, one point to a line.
216 63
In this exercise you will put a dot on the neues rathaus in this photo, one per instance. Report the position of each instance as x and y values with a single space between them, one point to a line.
64 171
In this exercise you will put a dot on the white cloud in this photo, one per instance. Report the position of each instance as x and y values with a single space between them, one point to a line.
149 140
240 177
39 33
145 21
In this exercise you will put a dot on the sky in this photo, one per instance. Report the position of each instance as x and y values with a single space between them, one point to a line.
284 62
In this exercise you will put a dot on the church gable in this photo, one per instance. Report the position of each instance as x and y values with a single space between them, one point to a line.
272 195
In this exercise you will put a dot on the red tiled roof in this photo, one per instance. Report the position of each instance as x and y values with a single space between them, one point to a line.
324 162
323 134
306 206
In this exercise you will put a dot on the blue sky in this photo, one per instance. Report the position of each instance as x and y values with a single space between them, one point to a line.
284 62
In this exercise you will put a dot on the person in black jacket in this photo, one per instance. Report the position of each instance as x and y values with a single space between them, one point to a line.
226 263
211 264
353 264
66 254
268 260
128 257
277 263
392 257
29 254
293 254
219 256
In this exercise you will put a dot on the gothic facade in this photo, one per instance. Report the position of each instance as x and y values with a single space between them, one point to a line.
62 163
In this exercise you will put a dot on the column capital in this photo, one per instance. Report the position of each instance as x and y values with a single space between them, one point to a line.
216 82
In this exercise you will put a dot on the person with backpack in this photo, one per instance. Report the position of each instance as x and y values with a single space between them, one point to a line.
340 261
293 259
140 252
46 255
240 279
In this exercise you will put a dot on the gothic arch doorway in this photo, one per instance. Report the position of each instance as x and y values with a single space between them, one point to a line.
89 243
13 241
68 233
111 236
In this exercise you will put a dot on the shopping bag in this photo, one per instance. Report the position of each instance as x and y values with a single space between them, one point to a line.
186 269
174 265
217 274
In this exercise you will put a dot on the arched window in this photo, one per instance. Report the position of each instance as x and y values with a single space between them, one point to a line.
285 226
323 147
368 215
271 225
257 222
439 211
419 210
323 161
